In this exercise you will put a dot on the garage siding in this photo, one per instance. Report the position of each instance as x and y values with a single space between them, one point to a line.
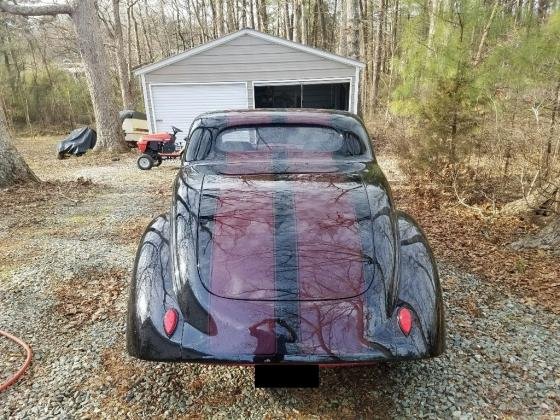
248 59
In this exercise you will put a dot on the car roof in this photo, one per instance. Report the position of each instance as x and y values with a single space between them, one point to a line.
314 111
340 120
265 113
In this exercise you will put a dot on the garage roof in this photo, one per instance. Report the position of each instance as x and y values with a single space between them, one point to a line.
204 47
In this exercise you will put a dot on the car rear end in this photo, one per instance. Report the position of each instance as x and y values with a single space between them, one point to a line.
284 256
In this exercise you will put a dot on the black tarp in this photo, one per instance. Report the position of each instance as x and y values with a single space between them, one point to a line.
127 113
78 142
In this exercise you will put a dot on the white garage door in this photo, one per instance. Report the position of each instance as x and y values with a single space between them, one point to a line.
179 104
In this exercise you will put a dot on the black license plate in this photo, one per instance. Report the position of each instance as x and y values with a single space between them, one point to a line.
286 376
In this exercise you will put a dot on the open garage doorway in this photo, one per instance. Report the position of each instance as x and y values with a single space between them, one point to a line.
318 95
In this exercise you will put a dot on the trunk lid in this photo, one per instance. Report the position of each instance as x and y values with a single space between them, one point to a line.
285 237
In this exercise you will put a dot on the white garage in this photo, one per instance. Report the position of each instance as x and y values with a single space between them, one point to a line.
245 70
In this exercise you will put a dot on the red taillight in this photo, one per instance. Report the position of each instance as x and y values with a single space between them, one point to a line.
170 320
404 317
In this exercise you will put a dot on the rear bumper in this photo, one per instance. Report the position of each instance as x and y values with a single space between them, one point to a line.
323 361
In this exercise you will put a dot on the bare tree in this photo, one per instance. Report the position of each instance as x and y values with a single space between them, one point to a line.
548 153
262 15
13 168
377 54
485 33
296 26
220 16
122 62
343 38
231 16
321 31
304 24
287 21
243 23
542 8
88 29
145 27
545 188
252 13
353 29
434 5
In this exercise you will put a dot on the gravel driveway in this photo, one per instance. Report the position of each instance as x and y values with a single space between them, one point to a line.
64 291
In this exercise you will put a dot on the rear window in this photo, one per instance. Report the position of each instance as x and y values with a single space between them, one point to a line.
305 142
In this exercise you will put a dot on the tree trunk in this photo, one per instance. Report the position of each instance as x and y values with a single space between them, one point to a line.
353 31
304 24
321 27
296 35
314 15
287 21
90 43
136 36
546 238
128 40
518 12
432 25
376 70
166 37
243 14
393 49
199 18
144 25
478 56
219 20
542 8
537 199
548 149
124 75
343 37
263 15
13 168
252 13
279 28
231 24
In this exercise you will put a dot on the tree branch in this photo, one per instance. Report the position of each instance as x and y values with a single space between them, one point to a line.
485 34
44 10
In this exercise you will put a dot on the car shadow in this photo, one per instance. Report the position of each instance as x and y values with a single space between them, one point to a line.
370 391
382 390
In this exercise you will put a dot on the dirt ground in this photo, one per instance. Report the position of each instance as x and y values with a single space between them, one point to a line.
67 249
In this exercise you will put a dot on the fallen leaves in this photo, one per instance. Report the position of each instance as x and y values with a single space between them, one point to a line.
481 245
130 231
32 196
90 296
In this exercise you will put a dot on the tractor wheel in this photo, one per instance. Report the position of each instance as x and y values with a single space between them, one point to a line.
157 161
145 162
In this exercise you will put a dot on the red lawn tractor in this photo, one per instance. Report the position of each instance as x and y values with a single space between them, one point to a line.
159 146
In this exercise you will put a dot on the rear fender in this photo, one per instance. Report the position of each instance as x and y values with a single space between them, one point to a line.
151 295
419 286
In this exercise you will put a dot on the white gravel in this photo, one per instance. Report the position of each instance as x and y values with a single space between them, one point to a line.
502 357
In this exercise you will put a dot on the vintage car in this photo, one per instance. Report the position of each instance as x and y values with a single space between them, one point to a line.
283 246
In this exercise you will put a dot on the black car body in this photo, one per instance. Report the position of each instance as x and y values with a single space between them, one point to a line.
283 245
